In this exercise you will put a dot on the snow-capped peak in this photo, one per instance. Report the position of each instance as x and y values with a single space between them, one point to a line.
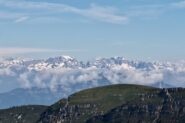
114 69
67 57
60 59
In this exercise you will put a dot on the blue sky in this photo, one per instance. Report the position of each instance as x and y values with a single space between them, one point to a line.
137 29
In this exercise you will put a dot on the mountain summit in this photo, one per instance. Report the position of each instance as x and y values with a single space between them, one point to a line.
108 104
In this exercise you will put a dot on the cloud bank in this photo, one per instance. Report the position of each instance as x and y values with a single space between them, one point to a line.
71 75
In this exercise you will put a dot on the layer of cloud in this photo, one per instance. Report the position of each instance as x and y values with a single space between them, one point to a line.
14 51
35 11
100 13
70 75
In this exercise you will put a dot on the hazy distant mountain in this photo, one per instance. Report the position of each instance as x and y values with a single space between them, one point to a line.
39 96
63 75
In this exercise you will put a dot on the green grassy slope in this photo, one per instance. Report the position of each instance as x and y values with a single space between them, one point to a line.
108 97
80 106
169 109
108 104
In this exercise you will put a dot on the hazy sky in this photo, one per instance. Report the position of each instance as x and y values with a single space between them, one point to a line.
137 29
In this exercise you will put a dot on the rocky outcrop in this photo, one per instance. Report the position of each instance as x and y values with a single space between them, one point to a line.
70 113
169 109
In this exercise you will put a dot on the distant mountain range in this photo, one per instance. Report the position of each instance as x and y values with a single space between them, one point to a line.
39 96
25 81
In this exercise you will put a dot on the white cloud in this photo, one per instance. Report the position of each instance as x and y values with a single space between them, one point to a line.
87 77
76 78
14 51
100 13
25 82
13 16
7 72
21 19
106 14
47 10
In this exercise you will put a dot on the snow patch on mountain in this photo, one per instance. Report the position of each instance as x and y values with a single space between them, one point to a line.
72 75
